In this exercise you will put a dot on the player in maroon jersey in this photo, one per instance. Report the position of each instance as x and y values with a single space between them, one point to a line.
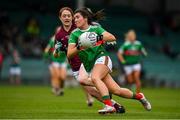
62 36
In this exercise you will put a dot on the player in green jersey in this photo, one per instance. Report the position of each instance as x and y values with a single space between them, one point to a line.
62 37
97 61
15 68
130 54
57 68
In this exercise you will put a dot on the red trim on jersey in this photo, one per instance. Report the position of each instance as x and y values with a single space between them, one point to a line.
132 52
100 42
51 49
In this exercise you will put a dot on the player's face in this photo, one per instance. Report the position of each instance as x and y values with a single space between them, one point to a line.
131 36
66 18
80 21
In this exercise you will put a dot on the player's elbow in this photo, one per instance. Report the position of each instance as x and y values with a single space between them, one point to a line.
113 38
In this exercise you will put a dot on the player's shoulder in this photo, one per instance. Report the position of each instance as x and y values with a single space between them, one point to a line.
126 43
94 26
137 42
75 31
58 29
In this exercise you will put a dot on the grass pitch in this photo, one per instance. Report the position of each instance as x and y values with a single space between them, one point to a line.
38 102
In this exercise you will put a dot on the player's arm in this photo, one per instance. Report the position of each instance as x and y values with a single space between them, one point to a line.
46 50
72 50
108 37
72 46
143 51
120 55
121 58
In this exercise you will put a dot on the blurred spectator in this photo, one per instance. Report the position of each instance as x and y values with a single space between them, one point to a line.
155 27
32 39
32 27
168 51
172 21
15 70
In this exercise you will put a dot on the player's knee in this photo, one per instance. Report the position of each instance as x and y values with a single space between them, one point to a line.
82 81
94 79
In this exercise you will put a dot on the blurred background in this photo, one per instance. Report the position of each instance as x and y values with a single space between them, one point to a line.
28 25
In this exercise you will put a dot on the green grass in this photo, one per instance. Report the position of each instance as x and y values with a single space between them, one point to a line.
38 102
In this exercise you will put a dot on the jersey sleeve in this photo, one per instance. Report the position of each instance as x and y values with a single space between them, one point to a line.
100 30
51 42
73 39
121 49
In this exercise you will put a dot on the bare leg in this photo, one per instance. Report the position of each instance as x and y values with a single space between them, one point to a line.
137 81
116 89
55 80
18 79
98 73
62 78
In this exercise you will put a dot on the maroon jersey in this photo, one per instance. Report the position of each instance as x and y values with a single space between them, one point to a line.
63 37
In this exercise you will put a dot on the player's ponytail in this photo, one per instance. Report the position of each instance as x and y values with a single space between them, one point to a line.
99 15
87 13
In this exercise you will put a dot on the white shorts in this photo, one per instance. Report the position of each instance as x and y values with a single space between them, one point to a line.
15 71
82 72
57 64
130 68
106 60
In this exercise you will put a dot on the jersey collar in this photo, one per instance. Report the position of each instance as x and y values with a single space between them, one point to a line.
86 29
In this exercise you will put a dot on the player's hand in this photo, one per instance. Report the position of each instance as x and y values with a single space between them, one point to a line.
78 46
99 40
58 46
123 62
111 43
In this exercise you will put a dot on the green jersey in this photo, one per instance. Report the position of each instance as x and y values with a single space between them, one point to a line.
61 58
131 52
90 55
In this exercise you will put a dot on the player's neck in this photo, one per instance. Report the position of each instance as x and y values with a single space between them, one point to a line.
84 27
67 27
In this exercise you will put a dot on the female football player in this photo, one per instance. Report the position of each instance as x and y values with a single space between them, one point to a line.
62 35
96 60
15 69
57 68
129 55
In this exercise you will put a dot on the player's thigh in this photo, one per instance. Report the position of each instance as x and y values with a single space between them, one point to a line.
111 84
54 70
102 67
136 75
83 75
136 71
62 71
99 71
128 69
130 78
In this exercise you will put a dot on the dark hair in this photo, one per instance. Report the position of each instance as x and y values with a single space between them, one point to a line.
87 13
66 8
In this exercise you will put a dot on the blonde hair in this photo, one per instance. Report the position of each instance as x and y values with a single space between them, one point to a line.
129 31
